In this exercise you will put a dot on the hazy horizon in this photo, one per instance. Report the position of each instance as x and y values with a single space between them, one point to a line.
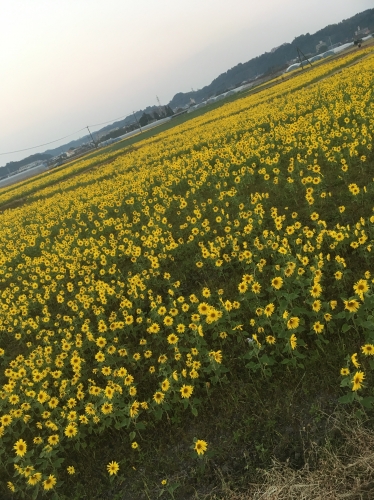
69 64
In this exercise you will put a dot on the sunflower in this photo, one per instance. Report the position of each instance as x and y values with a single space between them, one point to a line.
165 385
168 320
106 370
293 341
109 392
132 390
277 282
71 430
354 360
100 357
158 397
128 380
49 483
316 290
172 338
213 315
354 189
42 397
121 372
53 440
358 380
34 478
368 349
28 470
269 309
107 408
316 306
186 391
53 402
203 308
6 420
351 305
293 323
162 310
216 355
154 328
20 447
318 327
134 409
344 372
361 287
100 342
200 447
113 468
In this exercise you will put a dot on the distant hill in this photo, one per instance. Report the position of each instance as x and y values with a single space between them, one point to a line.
267 63
279 59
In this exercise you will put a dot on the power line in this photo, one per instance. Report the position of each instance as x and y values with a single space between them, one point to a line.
62 138
109 121
45 144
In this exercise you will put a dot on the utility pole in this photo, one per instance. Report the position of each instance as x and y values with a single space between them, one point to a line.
93 140
159 106
137 121
300 53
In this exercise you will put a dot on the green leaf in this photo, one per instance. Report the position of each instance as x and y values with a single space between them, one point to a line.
348 398
346 327
340 315
35 492
367 402
132 435
194 411
367 324
346 382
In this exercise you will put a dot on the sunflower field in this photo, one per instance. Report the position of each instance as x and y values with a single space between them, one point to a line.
239 241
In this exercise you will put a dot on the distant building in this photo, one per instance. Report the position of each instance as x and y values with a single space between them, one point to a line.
362 32
33 164
320 45
71 152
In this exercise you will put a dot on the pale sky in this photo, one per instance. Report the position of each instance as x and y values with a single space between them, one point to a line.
65 64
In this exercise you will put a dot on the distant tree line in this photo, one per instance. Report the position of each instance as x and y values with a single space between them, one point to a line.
157 114
153 114
271 62
265 64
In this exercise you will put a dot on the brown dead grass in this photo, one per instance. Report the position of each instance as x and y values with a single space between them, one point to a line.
341 469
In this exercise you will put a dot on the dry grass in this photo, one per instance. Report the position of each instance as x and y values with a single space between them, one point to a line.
343 470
